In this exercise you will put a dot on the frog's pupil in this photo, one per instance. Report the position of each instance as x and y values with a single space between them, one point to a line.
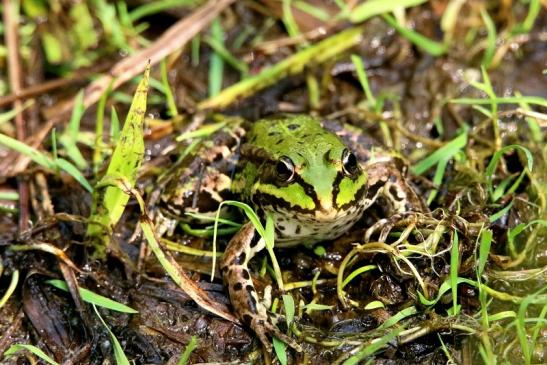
349 162
285 168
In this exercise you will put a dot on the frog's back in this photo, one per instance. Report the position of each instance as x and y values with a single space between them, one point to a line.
298 137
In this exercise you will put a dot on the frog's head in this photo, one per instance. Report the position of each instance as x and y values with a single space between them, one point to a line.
305 171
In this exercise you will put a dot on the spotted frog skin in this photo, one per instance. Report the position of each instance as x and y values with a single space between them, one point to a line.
313 177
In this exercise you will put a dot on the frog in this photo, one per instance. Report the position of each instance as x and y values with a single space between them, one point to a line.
314 177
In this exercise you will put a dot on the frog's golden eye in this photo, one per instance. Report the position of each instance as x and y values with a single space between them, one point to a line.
285 169
349 163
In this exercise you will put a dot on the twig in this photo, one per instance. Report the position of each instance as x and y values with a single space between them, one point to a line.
11 22
47 86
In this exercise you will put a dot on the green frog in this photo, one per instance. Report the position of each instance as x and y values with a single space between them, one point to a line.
315 178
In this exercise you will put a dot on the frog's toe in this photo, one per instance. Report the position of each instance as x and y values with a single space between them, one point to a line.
375 228
264 327
406 220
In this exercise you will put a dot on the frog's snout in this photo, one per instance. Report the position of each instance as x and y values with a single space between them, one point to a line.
327 211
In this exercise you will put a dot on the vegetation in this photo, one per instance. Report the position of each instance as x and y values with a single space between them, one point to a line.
89 274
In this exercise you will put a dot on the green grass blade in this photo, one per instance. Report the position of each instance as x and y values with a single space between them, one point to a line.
40 158
490 39
44 160
94 298
371 348
520 322
494 217
313 10
195 46
72 151
370 8
490 169
204 131
363 79
446 152
216 63
499 191
288 19
450 18
432 47
501 316
11 288
9 195
109 204
533 123
53 48
540 325
443 289
188 351
99 128
13 349
437 179
486 86
375 304
9 115
399 316
112 28
446 351
528 23
317 307
280 350
119 355
314 91
288 304
220 49
84 29
454 269
172 106
158 6
484 249
114 126
535 100
265 232
74 172
357 272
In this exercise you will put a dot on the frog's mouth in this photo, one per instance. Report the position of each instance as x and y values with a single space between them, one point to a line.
329 215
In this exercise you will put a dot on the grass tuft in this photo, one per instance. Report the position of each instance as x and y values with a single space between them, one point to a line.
108 205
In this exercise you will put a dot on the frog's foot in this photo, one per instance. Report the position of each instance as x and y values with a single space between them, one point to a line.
374 228
249 309
264 327
386 180
408 220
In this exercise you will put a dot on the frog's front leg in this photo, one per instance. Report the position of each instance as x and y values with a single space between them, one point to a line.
243 296
385 179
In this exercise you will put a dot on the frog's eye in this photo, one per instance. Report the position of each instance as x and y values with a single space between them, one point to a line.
349 163
285 169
